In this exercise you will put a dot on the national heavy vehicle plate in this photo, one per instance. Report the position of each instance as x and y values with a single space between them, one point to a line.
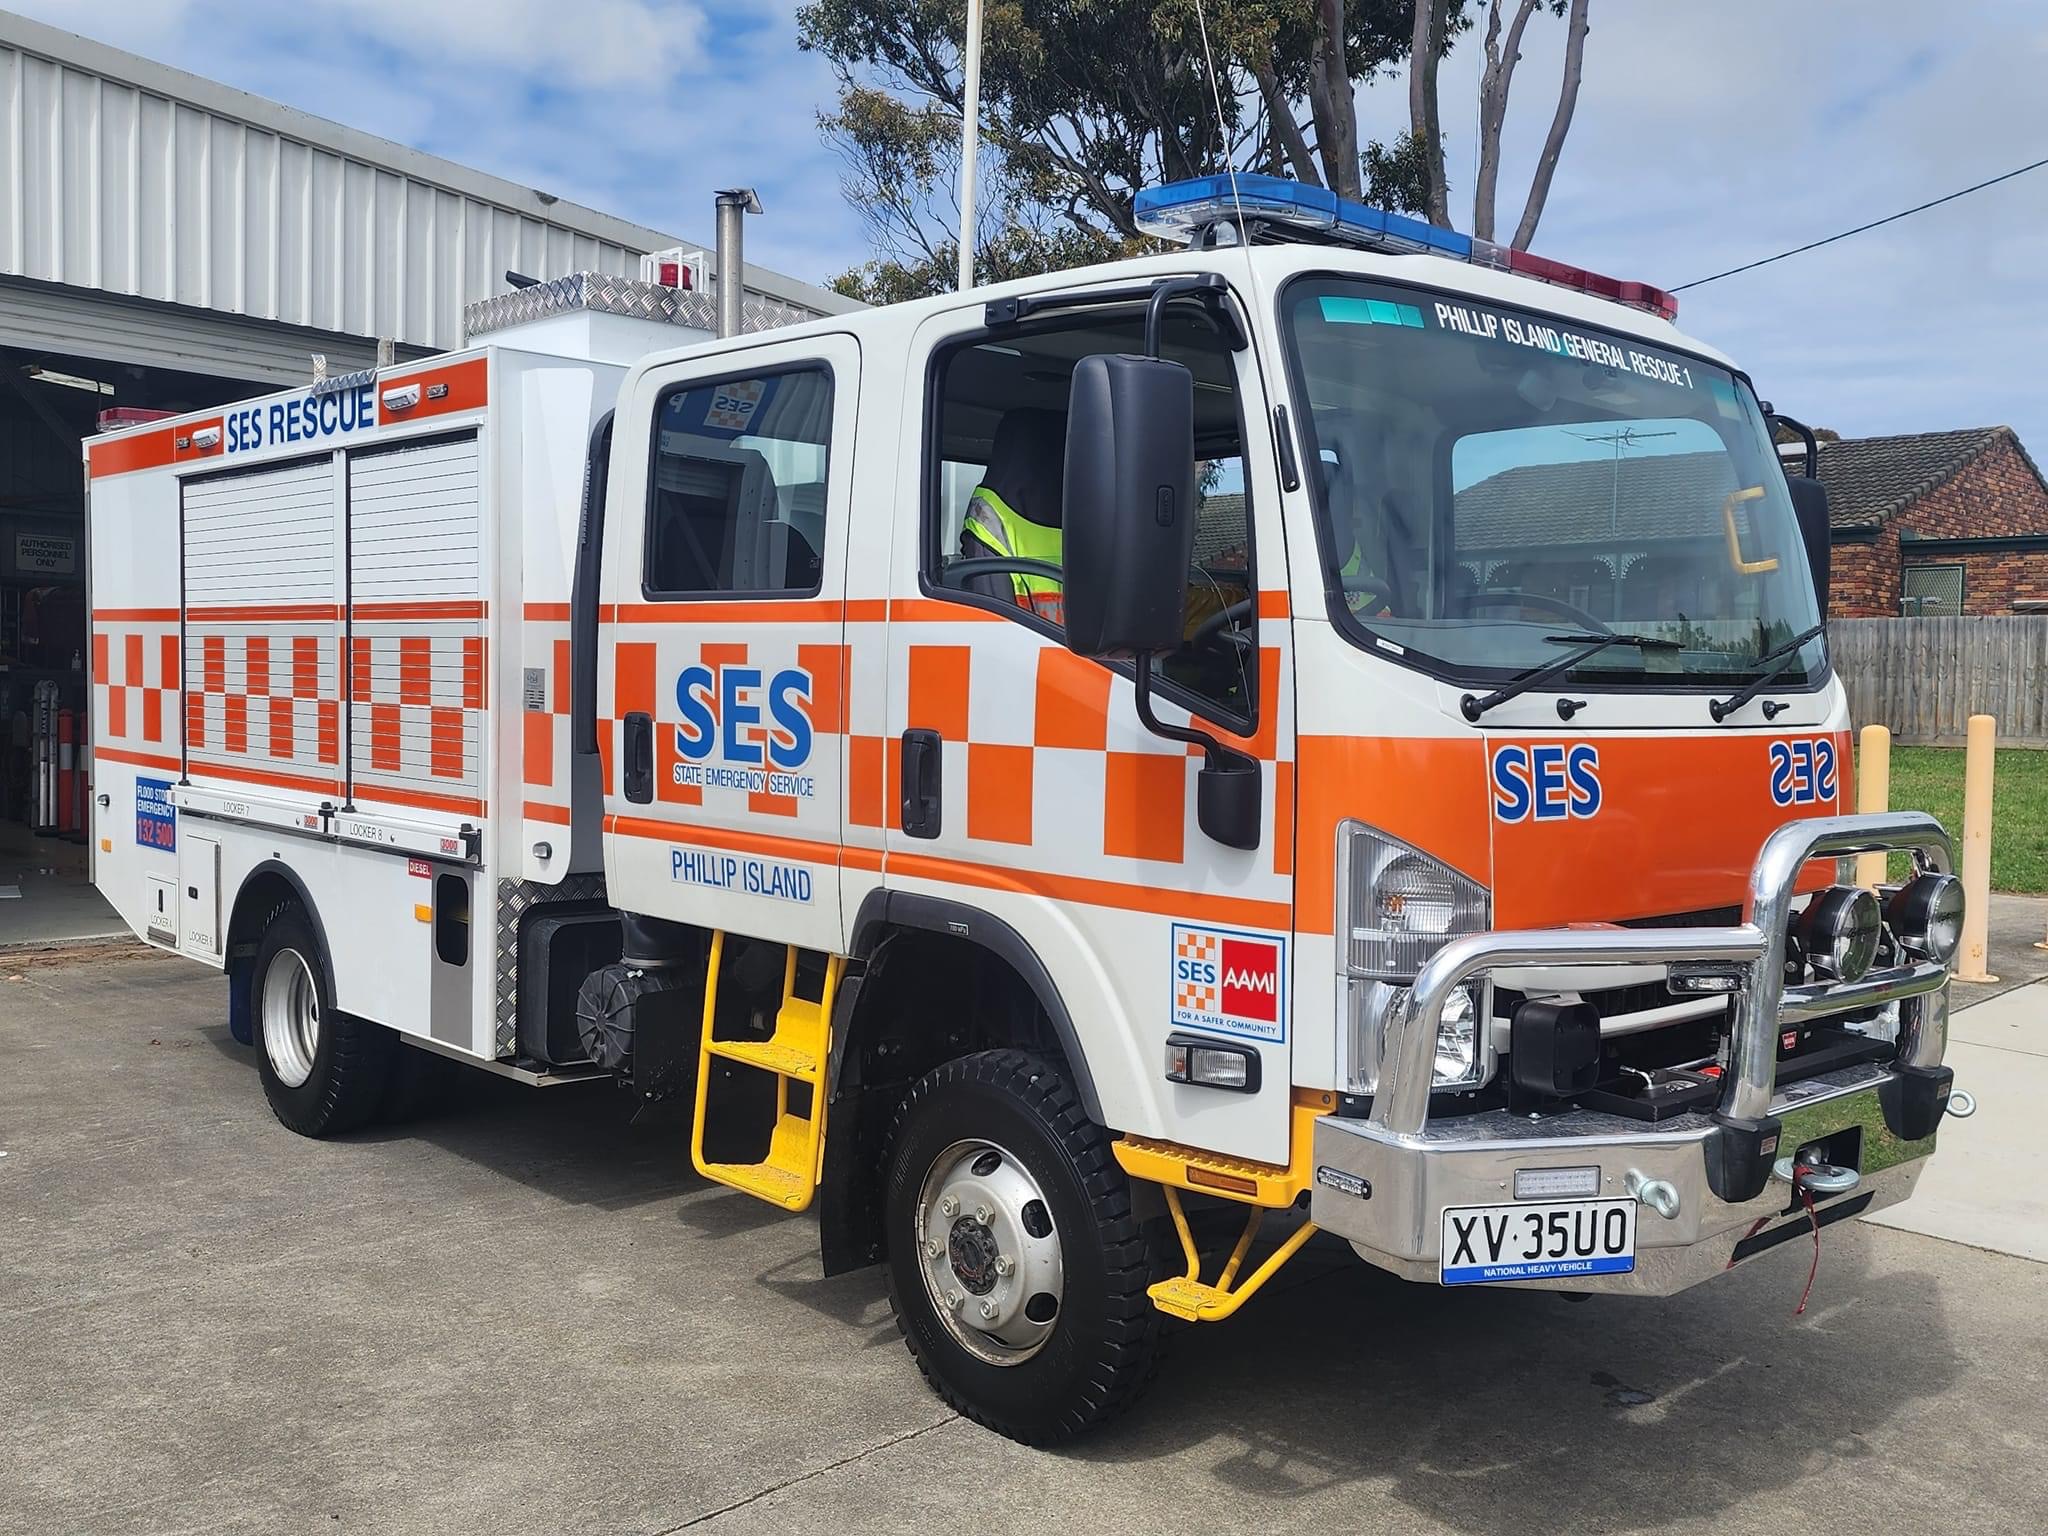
1537 1240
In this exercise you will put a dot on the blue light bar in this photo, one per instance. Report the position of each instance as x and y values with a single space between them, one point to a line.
1178 210
1273 205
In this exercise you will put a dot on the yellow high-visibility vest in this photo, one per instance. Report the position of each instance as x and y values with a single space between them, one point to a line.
993 523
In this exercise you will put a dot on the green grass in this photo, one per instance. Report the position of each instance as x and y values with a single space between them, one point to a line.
1931 779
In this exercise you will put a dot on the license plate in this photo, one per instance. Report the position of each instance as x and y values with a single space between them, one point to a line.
1537 1240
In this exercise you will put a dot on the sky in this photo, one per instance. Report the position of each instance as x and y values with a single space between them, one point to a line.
1706 135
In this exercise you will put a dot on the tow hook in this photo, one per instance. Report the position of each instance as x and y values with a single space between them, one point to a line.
1810 1171
1962 1105
1658 1194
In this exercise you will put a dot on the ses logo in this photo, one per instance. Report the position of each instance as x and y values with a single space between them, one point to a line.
758 726
1229 982
1803 771
1547 781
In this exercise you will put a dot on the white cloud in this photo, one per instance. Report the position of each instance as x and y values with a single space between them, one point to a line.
586 43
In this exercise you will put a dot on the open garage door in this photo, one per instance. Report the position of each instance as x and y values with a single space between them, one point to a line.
50 317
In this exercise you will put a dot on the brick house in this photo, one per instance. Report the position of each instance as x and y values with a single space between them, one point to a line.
1936 522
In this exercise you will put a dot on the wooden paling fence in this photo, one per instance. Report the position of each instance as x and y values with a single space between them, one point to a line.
1924 678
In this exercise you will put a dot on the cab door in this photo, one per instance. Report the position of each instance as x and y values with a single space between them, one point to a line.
722 649
1024 788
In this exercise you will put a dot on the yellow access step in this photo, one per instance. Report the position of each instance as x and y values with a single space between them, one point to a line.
1261 1186
795 1053
1198 1301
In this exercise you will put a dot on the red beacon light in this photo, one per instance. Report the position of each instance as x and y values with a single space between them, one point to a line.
1563 275
1275 208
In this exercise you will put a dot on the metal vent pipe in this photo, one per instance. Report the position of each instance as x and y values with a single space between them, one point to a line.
734 204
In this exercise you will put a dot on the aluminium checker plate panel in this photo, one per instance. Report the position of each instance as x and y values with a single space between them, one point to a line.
515 899
604 293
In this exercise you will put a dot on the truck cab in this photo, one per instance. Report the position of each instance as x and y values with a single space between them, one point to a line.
1335 720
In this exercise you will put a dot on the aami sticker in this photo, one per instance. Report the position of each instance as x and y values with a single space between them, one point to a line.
1230 982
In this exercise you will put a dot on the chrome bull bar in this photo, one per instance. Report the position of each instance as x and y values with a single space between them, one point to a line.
1761 1003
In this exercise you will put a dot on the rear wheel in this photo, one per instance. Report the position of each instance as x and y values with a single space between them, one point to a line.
323 1070
1017 1270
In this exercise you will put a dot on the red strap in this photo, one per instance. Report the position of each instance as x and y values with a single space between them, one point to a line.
1813 1215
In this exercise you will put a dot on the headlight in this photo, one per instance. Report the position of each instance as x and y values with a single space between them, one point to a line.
1457 1039
1396 907
1926 916
1464 1055
1839 931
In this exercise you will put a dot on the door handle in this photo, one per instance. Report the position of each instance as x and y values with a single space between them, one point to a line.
636 753
922 807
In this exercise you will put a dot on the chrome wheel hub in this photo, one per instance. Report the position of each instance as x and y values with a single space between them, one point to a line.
988 1252
291 1017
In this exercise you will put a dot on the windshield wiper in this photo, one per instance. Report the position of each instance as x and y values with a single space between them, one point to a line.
1472 706
1784 655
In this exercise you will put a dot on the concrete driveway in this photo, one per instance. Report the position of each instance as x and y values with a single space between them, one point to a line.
530 1316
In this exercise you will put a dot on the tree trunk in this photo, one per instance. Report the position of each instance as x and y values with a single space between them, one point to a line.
1330 103
1560 125
1494 82
1286 131
1423 121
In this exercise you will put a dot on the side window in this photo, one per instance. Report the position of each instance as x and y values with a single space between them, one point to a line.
737 498
994 519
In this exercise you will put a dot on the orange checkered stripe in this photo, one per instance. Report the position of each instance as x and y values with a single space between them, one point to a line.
416 703
1145 795
136 680
544 731
265 706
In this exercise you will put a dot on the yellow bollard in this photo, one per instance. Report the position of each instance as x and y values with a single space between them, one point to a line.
1873 794
1977 760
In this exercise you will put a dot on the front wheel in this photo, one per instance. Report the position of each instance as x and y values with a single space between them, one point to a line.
1017 1270
323 1071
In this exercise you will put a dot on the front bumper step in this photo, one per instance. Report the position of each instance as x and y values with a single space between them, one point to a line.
1386 1193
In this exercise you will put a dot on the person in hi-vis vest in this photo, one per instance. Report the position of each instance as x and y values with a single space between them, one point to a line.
1015 511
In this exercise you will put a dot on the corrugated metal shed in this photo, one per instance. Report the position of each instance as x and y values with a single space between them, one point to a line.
122 177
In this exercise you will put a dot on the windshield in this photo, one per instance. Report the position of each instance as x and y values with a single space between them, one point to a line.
1492 481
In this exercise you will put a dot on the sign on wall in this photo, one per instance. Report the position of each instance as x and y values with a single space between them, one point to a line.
45 554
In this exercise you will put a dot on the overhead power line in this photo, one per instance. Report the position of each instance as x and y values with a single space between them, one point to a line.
1890 218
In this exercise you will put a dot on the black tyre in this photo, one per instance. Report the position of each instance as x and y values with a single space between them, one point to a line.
1017 1271
323 1070
417 1086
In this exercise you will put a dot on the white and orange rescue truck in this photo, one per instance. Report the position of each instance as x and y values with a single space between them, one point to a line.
1334 721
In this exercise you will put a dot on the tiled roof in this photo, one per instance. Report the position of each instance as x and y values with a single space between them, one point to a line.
1220 530
1595 501
1872 479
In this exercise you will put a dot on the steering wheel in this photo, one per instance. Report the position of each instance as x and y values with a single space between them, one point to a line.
960 572
1499 598
1222 619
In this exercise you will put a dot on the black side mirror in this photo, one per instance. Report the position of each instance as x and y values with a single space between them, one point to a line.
1129 542
1810 506
1130 513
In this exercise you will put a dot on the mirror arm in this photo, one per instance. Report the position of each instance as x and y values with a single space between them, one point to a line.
1227 792
1194 736
1804 433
